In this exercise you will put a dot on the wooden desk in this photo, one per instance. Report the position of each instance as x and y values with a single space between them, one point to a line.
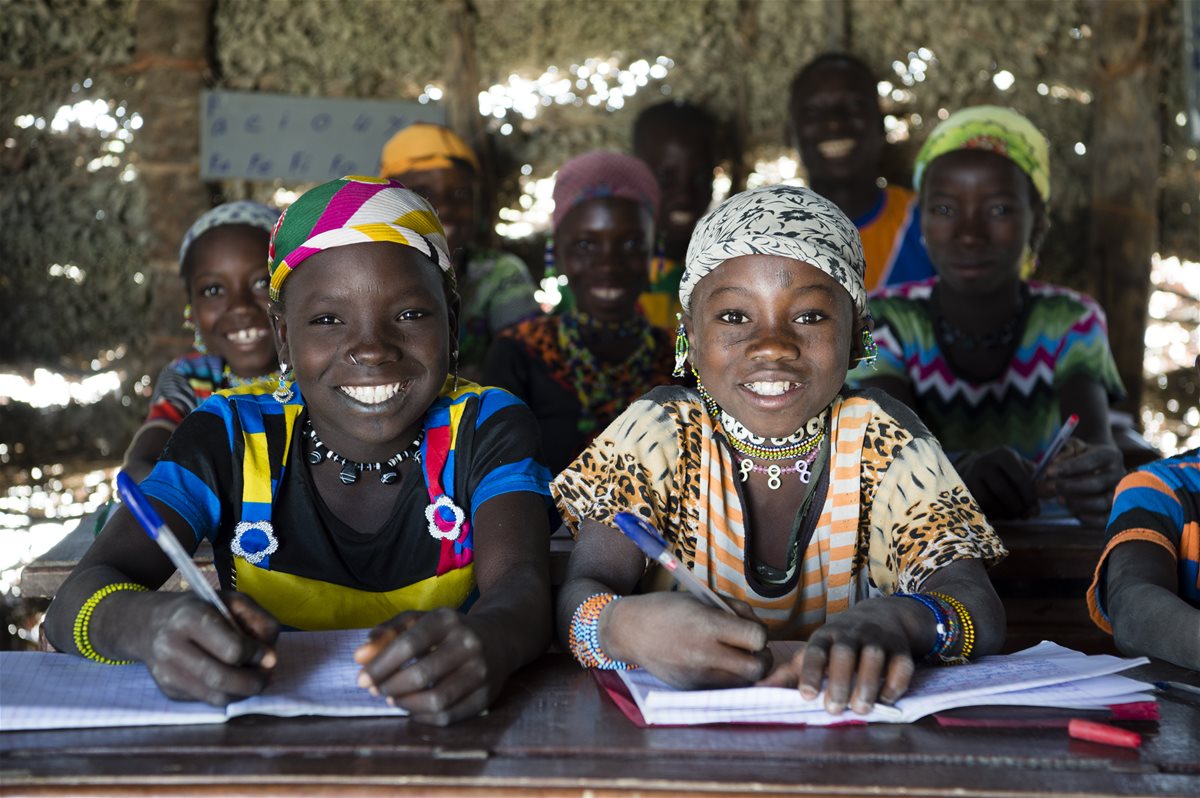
42 577
1043 583
554 733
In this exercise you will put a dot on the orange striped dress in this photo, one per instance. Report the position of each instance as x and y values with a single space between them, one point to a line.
895 510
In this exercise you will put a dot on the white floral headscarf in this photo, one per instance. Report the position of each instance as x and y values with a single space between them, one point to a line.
789 221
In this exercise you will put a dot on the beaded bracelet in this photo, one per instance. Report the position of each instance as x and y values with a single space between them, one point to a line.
968 626
84 619
584 635
945 624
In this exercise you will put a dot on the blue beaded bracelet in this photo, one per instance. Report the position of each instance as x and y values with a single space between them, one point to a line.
945 630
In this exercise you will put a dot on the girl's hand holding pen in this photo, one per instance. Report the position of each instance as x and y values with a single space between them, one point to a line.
194 654
684 642
1085 475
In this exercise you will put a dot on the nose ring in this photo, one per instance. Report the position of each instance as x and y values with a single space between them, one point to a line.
353 360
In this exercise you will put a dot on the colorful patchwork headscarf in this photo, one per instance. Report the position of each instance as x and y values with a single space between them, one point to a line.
355 210
254 214
601 174
788 221
994 129
420 147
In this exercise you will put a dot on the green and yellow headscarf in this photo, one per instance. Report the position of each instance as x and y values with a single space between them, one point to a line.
992 129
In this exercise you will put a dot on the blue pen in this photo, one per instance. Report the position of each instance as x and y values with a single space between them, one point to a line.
653 546
139 505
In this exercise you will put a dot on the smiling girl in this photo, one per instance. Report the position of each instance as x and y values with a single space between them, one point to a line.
994 363
376 490
223 264
579 371
810 509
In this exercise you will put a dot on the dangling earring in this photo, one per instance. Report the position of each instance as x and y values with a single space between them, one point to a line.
454 357
284 393
681 351
548 258
869 347
659 264
190 324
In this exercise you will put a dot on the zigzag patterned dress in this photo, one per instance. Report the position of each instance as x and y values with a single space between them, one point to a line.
1065 335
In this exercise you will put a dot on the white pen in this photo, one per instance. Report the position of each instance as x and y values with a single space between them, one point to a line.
139 505
1060 440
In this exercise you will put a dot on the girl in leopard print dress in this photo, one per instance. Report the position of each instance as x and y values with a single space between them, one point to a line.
817 513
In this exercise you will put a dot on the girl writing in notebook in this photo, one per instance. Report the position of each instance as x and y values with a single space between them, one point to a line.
991 361
372 488
820 514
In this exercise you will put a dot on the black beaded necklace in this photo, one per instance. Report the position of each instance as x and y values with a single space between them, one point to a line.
351 468
995 339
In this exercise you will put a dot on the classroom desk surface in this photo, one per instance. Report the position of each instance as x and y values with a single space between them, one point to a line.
553 732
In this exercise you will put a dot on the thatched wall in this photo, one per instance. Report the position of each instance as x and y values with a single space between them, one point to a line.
736 57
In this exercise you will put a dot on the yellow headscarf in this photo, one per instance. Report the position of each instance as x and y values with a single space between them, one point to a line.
422 146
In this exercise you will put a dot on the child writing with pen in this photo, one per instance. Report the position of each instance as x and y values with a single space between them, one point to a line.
815 513
372 488
991 361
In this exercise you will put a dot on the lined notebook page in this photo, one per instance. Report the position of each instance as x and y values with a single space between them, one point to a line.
60 691
316 675
1047 675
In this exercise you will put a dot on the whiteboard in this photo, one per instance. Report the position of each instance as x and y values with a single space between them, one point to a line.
299 139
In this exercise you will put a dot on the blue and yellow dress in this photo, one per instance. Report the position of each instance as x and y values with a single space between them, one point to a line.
234 472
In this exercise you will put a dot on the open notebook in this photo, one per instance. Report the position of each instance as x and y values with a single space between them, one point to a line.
316 675
1046 675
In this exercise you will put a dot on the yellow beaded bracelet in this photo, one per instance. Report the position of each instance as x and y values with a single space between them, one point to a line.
968 626
84 619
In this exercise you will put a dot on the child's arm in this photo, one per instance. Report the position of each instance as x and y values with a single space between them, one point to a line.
1148 616
1086 474
147 444
867 653
671 634
190 650
443 666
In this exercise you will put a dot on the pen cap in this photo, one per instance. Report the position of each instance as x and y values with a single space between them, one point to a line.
138 504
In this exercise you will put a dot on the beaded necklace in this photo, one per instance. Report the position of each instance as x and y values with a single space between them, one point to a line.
351 468
802 468
594 383
803 443
231 380
996 339
592 329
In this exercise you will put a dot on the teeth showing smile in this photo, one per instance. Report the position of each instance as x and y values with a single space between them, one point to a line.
247 336
836 148
371 394
608 294
768 388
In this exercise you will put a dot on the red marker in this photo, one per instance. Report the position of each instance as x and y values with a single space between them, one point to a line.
1103 733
